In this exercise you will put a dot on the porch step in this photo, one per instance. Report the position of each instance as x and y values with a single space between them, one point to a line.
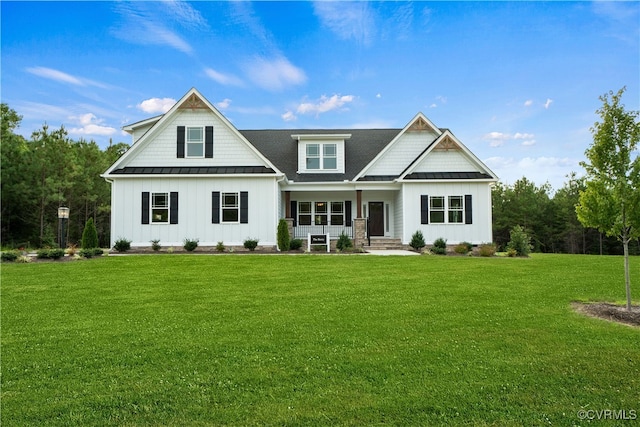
383 243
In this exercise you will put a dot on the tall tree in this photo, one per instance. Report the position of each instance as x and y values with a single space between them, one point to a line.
611 200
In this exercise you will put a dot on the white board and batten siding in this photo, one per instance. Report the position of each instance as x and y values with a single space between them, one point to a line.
195 211
402 153
228 149
480 231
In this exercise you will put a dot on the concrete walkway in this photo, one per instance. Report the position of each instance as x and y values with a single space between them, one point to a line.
391 252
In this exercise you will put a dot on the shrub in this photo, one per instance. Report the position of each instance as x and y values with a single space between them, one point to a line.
155 245
23 259
90 235
439 246
251 244
284 240
461 249
91 252
295 244
9 255
190 244
122 245
55 253
71 249
417 241
344 242
487 250
220 246
520 242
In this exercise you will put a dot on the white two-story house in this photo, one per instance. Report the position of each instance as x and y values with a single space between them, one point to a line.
191 174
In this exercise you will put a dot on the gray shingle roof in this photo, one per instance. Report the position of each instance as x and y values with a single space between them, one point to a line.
282 150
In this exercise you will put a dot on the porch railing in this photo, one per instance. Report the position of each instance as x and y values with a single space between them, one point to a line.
301 231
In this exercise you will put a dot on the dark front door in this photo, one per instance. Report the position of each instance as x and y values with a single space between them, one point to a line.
376 219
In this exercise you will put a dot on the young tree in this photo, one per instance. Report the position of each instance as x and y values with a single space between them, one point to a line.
90 235
611 199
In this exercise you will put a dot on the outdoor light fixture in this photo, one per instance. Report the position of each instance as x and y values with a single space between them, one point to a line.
63 212
63 217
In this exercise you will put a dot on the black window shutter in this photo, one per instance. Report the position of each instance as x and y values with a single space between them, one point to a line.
294 212
145 207
215 207
424 209
173 207
468 210
180 148
347 213
208 142
244 207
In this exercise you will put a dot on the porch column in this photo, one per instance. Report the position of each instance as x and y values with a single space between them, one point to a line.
359 203
287 204
359 235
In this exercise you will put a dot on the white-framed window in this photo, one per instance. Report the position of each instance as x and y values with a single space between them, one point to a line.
160 208
195 141
321 213
230 207
313 156
456 210
436 210
322 156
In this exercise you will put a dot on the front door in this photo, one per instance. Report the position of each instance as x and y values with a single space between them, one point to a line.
376 218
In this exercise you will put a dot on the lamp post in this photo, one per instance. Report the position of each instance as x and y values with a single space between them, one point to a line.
63 217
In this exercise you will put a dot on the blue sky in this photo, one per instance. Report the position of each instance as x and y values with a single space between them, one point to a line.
517 82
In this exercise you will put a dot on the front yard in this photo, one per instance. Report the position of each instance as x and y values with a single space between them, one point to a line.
316 340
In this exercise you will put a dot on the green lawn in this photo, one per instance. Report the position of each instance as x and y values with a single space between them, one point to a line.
315 340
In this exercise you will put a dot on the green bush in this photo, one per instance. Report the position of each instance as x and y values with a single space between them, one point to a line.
220 246
155 245
91 252
90 235
190 244
122 245
284 240
295 244
439 246
54 253
487 250
344 242
417 241
9 255
251 244
462 249
520 242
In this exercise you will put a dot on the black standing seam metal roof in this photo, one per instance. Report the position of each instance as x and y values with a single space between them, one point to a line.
192 170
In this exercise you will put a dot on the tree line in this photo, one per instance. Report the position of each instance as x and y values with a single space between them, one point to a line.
50 170
45 172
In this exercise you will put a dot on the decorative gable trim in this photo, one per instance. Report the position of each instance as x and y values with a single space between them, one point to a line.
419 123
447 142
192 99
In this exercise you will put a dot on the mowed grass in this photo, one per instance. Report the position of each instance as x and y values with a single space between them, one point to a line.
314 340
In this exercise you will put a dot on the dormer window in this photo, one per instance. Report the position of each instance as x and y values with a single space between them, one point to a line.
321 153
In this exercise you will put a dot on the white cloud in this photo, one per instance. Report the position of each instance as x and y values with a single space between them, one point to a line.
275 74
378 96
348 20
224 104
548 103
528 103
497 139
324 104
154 23
288 116
537 169
156 105
223 79
90 125
62 77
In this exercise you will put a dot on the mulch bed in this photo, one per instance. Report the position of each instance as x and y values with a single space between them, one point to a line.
611 312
